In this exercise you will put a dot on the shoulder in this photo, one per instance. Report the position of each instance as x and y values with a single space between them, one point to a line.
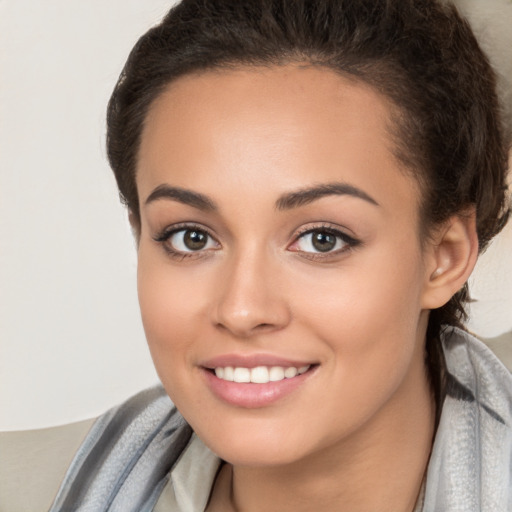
121 457
123 463
476 374
502 346
469 467
34 463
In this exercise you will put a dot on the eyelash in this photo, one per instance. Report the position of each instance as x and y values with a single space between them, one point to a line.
349 242
164 237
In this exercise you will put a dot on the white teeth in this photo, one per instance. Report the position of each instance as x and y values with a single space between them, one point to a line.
228 374
242 375
290 372
276 373
259 374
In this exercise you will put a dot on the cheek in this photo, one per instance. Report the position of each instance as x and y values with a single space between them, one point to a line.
367 314
168 303
368 322
377 288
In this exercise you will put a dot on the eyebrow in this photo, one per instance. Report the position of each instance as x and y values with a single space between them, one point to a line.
287 201
182 195
310 194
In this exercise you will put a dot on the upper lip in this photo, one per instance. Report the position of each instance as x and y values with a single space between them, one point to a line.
251 361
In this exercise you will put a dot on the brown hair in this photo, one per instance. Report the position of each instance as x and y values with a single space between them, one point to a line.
419 53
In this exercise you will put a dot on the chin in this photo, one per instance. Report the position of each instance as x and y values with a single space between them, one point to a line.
257 443
250 453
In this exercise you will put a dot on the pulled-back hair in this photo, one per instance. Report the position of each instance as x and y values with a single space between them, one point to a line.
420 54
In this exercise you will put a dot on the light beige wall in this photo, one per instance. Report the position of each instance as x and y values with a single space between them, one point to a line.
71 340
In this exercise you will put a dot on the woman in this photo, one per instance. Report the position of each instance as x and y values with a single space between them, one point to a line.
310 184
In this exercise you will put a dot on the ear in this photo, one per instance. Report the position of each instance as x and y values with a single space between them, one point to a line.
450 259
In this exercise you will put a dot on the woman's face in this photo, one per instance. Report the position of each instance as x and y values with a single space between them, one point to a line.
280 236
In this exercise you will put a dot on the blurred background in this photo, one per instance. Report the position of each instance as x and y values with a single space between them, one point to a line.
71 340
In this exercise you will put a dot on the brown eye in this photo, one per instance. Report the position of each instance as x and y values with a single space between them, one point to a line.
190 240
323 241
195 240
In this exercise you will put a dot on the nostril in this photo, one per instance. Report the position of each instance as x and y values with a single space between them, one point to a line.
246 314
263 326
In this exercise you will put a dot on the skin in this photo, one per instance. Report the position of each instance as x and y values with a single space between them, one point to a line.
357 433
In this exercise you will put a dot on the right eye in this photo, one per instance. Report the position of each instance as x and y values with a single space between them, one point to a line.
187 240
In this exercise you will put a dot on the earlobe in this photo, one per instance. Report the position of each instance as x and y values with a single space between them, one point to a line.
451 259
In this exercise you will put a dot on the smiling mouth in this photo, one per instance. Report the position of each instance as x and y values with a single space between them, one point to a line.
258 386
258 374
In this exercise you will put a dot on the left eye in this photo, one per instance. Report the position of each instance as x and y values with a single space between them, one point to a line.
190 240
320 241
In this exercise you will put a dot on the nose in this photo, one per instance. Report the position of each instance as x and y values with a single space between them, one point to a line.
250 298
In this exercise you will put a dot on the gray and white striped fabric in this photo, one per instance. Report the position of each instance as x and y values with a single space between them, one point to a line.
470 469
125 461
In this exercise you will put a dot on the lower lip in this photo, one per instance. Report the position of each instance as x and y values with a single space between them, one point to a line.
250 395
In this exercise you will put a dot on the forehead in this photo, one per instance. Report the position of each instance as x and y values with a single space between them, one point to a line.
291 100
287 126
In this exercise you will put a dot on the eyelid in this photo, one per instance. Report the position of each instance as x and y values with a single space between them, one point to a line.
350 241
326 226
165 234
168 231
